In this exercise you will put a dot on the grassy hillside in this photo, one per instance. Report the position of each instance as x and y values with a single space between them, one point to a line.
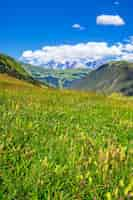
13 68
55 77
64 145
9 82
111 77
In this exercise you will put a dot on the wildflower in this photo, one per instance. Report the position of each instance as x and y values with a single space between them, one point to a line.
17 107
87 174
131 181
116 192
128 189
89 160
40 182
121 183
95 163
45 162
108 196
79 177
57 169
90 180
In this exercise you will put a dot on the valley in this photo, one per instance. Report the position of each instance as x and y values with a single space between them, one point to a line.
58 78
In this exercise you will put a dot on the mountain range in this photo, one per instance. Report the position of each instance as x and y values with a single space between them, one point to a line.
74 64
109 78
115 76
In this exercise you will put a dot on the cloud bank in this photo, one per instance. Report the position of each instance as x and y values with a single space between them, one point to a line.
79 53
114 20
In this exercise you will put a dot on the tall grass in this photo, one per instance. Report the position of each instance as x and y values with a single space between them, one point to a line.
62 145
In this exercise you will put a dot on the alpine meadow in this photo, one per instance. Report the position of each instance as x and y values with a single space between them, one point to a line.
61 144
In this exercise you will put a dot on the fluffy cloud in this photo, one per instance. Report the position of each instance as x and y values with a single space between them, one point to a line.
115 20
78 26
128 57
79 53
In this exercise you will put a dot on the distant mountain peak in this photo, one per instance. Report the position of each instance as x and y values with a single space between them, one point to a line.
73 64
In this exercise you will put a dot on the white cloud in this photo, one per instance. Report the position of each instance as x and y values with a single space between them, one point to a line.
78 26
27 54
115 20
129 47
78 53
128 57
63 53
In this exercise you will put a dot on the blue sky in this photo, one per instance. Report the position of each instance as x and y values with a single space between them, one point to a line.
33 24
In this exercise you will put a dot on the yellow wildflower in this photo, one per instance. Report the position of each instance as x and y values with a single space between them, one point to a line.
45 162
116 192
121 183
90 180
79 177
128 189
108 196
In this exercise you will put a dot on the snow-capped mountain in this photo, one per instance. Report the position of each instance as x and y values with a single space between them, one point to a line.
82 63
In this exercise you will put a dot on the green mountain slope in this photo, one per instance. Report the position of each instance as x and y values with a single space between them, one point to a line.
109 78
13 68
56 78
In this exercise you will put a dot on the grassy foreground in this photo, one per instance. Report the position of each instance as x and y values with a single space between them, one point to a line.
64 145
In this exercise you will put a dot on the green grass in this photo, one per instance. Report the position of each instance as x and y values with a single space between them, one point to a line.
65 145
